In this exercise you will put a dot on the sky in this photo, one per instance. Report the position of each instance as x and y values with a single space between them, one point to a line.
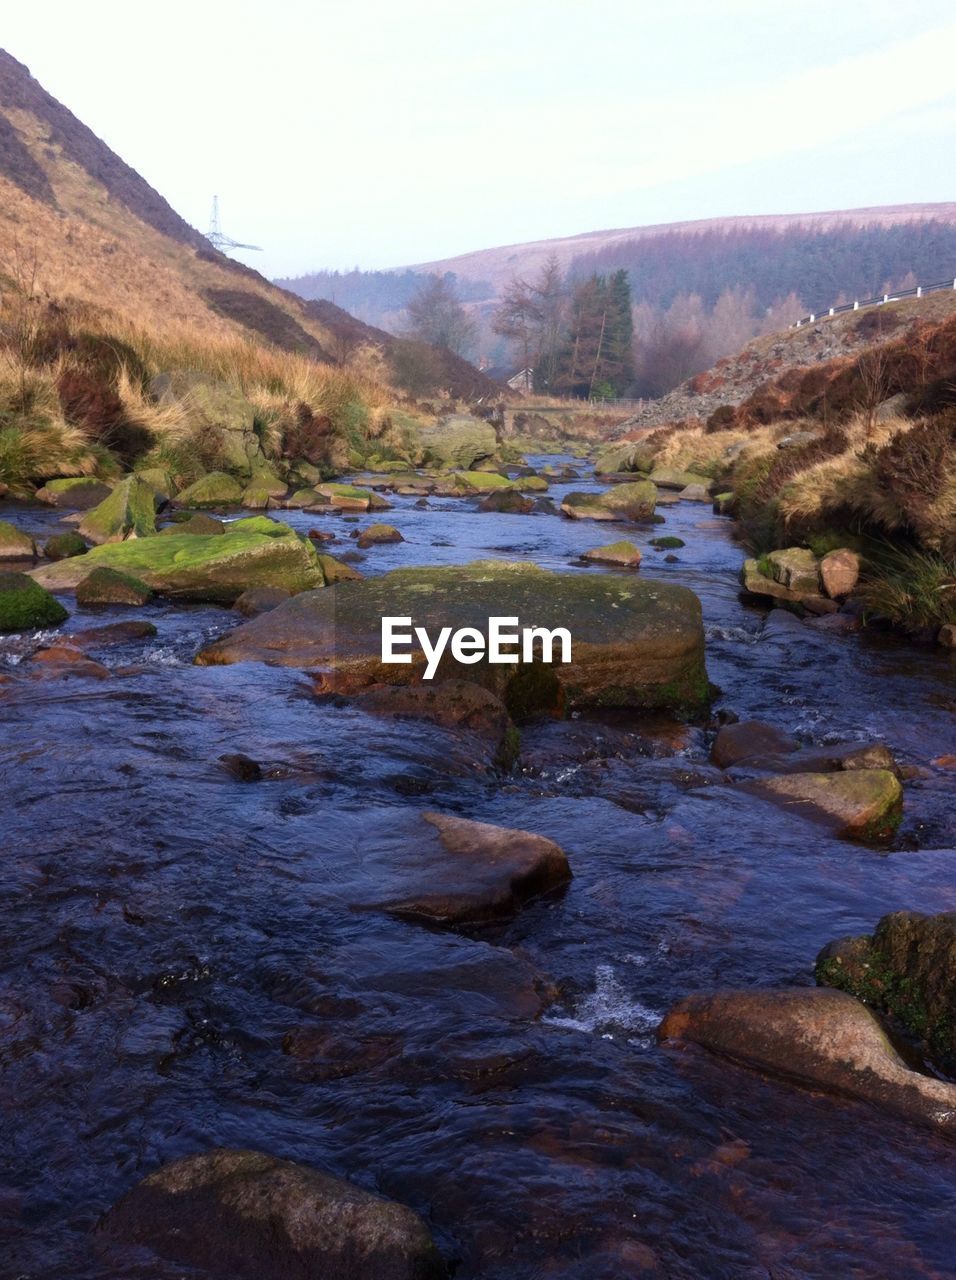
382 133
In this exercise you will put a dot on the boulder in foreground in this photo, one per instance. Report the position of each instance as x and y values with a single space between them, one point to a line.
246 1214
818 1037
906 968
256 552
26 606
634 644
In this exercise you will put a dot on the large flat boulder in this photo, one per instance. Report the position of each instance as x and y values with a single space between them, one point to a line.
821 1038
906 968
634 644
459 441
246 1214
632 501
257 552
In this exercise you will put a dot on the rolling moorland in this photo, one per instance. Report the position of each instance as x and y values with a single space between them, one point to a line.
633 965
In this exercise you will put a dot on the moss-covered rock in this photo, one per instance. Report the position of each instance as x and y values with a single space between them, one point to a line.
632 501
634 644
906 968
481 481
64 545
864 804
159 480
129 512
14 543
81 493
667 543
755 582
531 484
26 606
200 525
624 554
459 441
345 497
218 568
507 502
671 478
247 1215
796 569
374 534
105 586
217 489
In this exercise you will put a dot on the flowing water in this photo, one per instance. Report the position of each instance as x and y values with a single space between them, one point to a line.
165 928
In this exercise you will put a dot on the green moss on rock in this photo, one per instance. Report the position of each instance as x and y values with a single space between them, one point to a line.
217 489
26 606
129 512
109 587
14 543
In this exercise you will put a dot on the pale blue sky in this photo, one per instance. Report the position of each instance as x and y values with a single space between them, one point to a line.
383 133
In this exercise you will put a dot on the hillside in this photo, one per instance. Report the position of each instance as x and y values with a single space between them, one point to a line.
496 266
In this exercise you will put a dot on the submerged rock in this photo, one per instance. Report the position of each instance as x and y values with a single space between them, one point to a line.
15 544
255 552
623 553
129 512
26 606
260 600
241 767
243 1213
905 968
750 739
818 1037
865 804
107 586
633 501
634 644
451 871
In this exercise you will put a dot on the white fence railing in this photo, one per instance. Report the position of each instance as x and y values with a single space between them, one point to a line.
860 303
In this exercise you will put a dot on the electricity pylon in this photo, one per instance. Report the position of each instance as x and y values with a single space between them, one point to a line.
215 236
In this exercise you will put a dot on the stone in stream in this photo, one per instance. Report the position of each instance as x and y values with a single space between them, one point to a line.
695 493
459 441
260 600
26 606
254 552
756 583
906 968
449 871
199 525
634 501
215 489
113 633
624 554
247 1214
749 739
104 586
15 544
818 1037
507 502
129 512
453 704
79 492
634 644
241 767
864 804
374 534
64 545
345 497
669 478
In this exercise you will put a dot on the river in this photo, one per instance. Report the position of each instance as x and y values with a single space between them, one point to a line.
165 928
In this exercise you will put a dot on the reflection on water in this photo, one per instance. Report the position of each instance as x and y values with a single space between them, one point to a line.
182 964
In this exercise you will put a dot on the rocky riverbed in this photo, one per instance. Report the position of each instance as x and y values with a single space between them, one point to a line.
250 913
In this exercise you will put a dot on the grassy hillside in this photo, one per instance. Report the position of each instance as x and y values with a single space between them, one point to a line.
108 296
